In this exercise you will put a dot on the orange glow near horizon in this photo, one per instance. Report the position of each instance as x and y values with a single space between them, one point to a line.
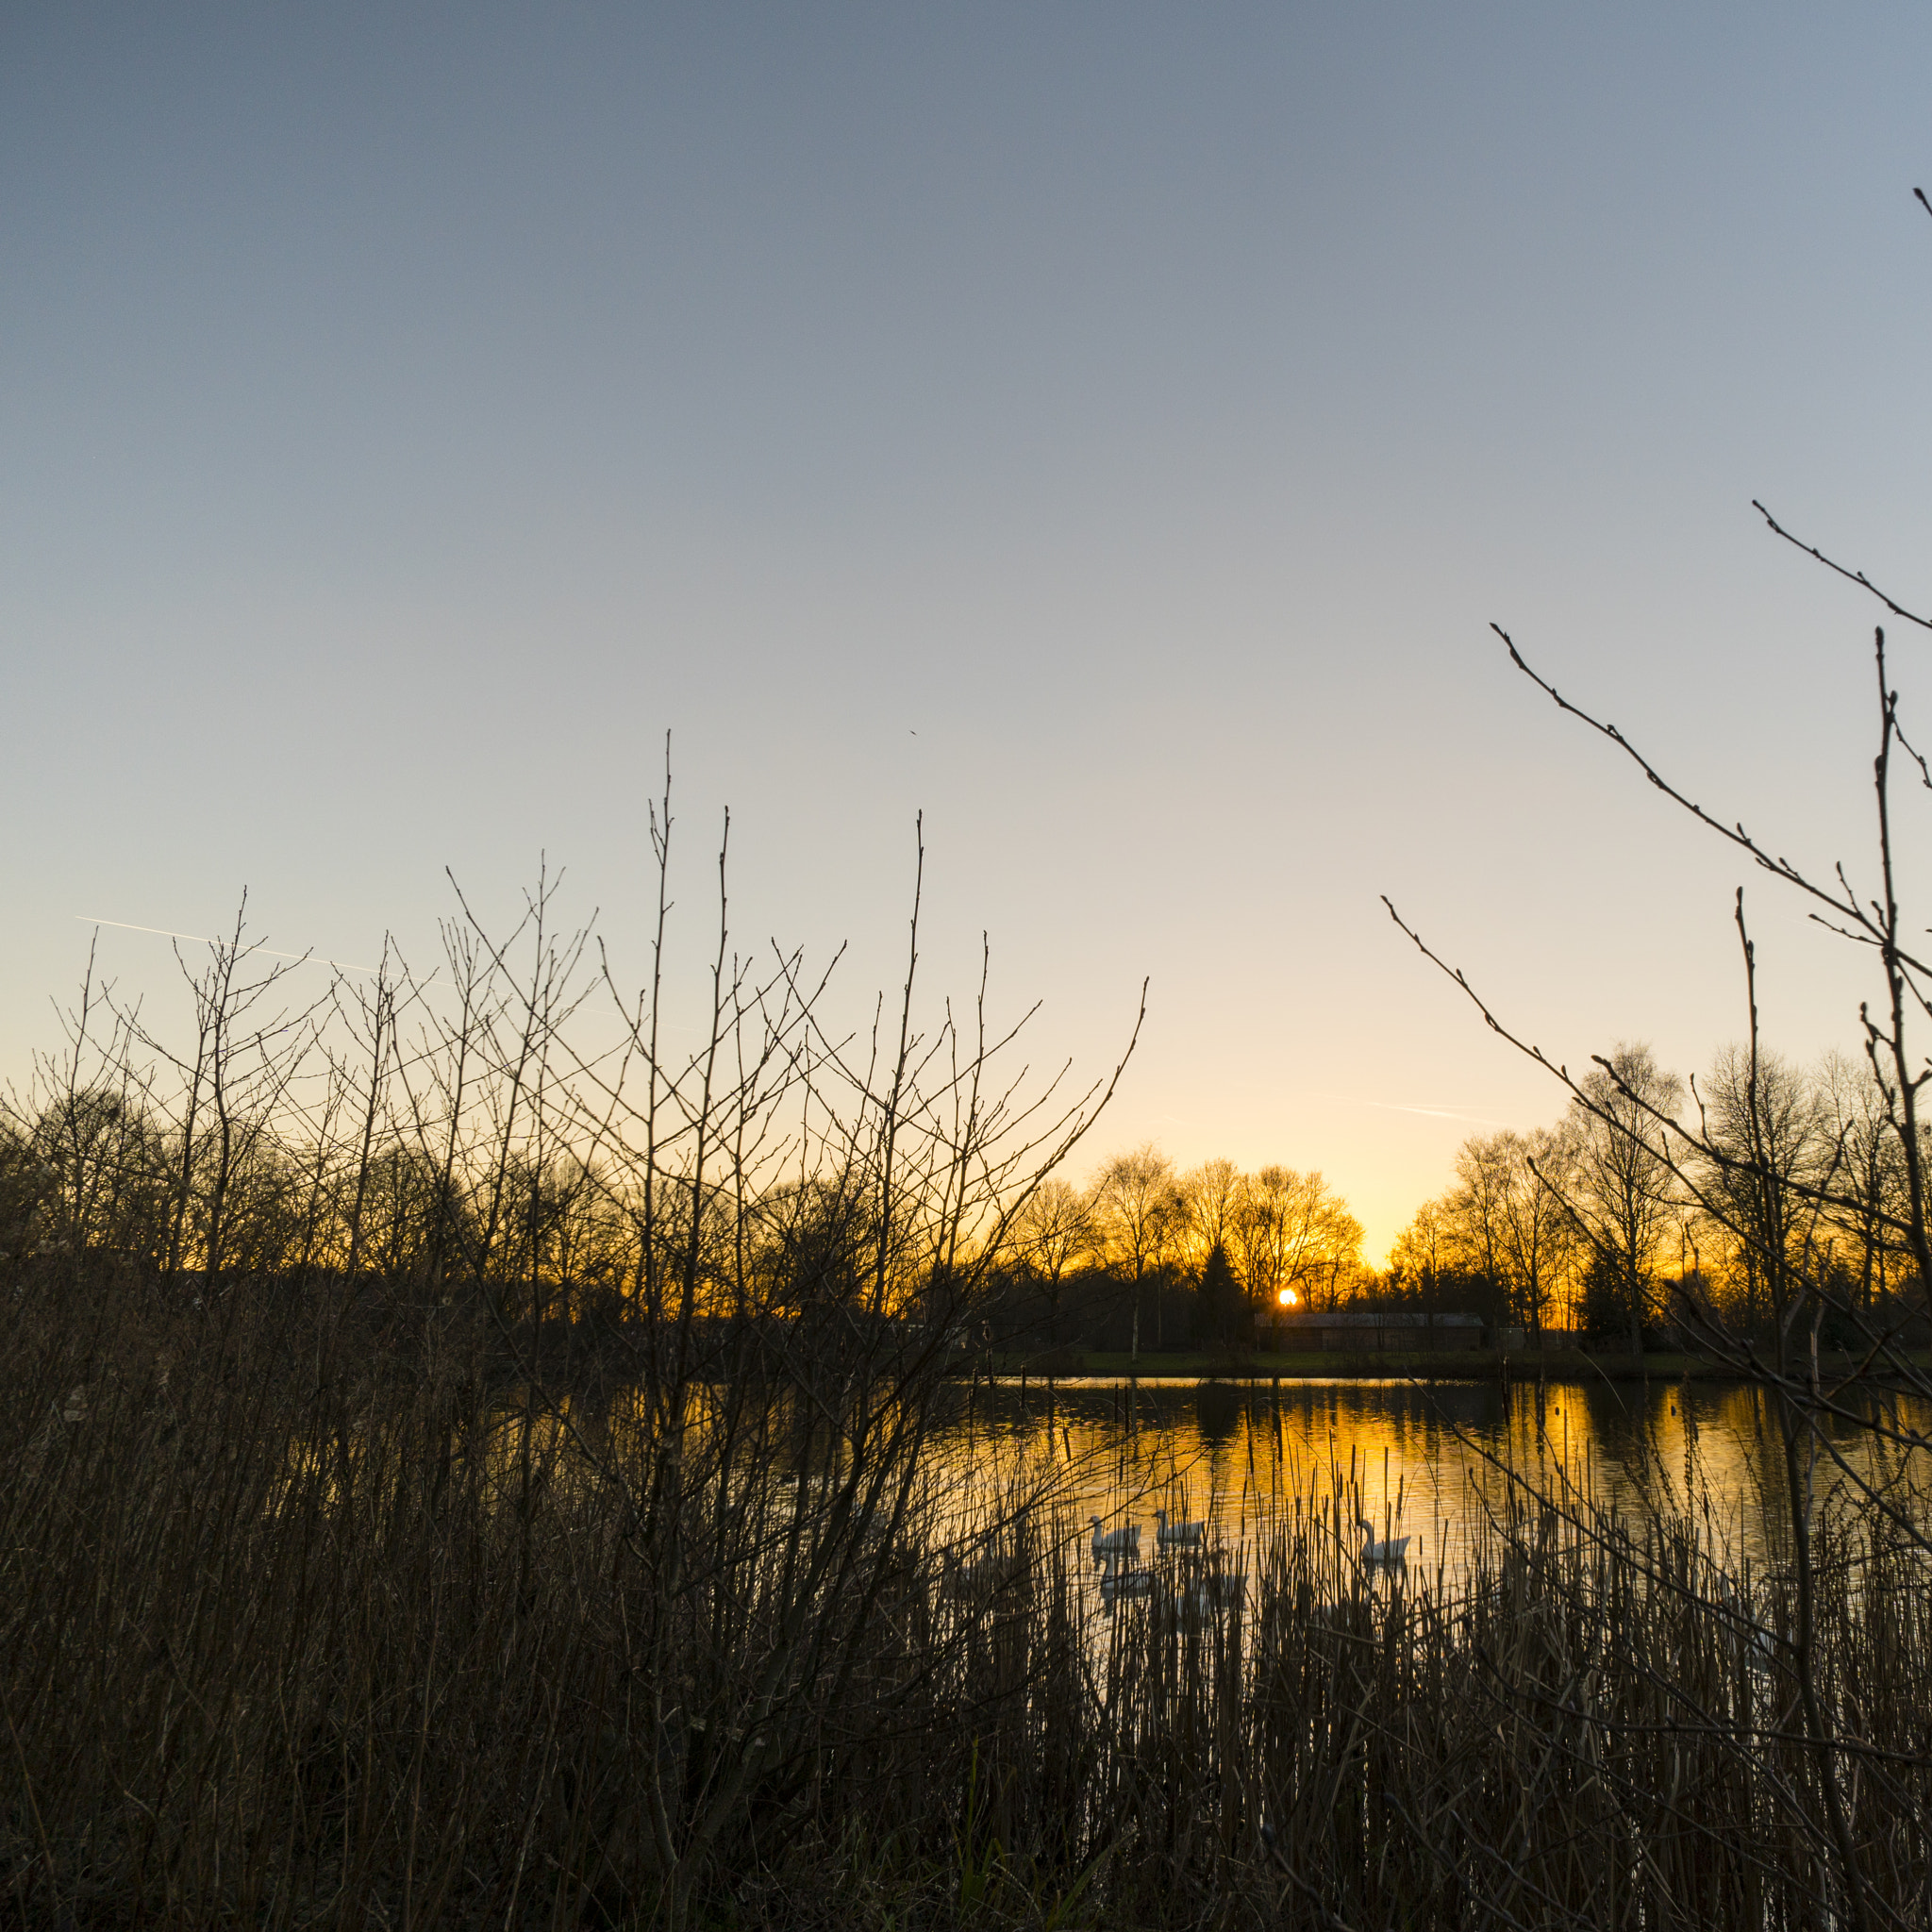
1287 1297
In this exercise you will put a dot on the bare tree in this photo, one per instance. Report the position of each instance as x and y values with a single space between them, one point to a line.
1052 1232
1623 1187
1140 1214
1423 1256
1505 1223
1873 1178
1297 1239
1479 1208
1214 1193
1767 1153
1538 1236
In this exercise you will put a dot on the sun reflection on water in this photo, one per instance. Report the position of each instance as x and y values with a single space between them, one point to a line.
1423 1460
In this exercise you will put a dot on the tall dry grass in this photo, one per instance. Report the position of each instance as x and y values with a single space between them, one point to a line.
399 1644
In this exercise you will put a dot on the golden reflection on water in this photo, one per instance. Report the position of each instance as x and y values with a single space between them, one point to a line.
1431 1462
1427 1461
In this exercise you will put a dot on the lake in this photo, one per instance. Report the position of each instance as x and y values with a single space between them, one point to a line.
1423 1460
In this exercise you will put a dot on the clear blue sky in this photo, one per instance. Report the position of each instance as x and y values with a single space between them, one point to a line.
1111 429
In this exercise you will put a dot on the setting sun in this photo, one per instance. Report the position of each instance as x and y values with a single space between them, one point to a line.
1287 1297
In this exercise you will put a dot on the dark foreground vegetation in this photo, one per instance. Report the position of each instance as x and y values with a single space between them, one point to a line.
310 1618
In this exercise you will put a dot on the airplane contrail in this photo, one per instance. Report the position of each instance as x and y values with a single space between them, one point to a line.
162 932
1436 1113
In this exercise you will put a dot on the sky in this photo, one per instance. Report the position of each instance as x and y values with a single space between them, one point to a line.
1109 431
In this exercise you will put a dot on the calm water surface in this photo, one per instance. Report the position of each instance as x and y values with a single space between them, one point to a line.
1426 1460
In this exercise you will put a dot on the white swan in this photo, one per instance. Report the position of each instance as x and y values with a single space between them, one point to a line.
1207 1595
1177 1536
979 1582
1394 1551
1123 1585
1124 1541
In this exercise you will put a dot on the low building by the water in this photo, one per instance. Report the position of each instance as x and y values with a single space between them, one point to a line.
1360 1329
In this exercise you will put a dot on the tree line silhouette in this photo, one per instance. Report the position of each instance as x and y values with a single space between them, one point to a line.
1604 1224
1614 1224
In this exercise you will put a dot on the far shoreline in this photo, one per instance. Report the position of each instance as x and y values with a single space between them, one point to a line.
1387 1365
